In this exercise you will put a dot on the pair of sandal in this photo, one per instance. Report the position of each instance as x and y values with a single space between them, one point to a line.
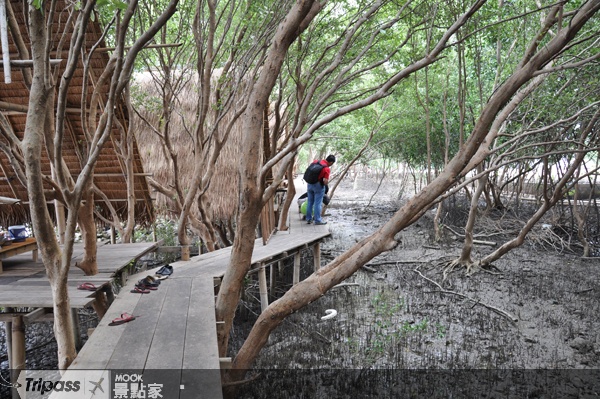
145 285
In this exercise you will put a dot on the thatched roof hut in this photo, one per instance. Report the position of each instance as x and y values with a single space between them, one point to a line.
14 97
222 194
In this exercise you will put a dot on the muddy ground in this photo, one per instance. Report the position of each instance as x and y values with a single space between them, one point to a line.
530 328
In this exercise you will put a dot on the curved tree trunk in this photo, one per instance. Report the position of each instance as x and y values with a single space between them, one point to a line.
297 19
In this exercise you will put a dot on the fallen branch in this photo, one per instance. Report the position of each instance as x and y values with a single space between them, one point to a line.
477 302
396 262
480 242
369 269
583 291
346 285
489 243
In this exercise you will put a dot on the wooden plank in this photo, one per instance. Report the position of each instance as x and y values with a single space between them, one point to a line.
201 369
44 282
201 330
166 351
43 302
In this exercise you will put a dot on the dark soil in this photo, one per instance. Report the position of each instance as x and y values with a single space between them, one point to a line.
398 334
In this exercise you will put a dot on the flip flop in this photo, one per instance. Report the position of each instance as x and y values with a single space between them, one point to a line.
125 318
140 290
145 287
87 287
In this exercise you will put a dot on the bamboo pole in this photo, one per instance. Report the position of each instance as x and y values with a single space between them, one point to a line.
4 40
262 287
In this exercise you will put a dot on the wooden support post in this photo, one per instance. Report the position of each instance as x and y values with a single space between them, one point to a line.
296 278
100 304
280 264
262 287
317 256
216 284
18 349
110 295
272 278
124 277
76 334
113 235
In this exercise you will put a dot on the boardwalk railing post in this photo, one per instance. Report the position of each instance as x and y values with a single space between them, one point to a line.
296 278
317 256
262 286
76 334
272 278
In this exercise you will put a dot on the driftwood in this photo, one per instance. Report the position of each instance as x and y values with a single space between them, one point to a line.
477 302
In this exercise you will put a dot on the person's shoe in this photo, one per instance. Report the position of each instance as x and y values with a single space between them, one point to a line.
309 222
320 223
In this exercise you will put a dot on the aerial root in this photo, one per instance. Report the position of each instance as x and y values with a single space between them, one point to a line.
470 267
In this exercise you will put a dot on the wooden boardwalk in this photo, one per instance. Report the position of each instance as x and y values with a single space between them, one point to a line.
24 283
174 333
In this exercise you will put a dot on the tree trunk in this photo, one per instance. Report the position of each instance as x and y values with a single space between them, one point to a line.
89 263
297 19
580 219
465 256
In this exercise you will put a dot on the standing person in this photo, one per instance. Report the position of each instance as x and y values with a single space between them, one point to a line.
316 191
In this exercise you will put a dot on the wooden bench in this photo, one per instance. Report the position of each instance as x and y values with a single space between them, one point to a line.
16 248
